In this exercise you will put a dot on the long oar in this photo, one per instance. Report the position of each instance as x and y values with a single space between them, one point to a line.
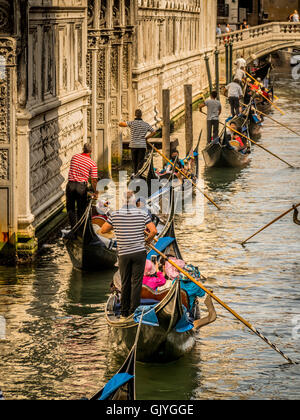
254 142
246 323
182 173
272 103
277 122
271 223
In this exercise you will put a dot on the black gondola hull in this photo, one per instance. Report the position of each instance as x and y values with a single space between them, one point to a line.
218 156
155 344
91 256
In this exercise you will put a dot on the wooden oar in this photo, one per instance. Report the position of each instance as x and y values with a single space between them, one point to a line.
237 316
254 142
277 122
271 223
272 103
182 173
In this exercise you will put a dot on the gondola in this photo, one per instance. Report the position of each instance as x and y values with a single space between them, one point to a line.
219 154
146 173
160 337
262 72
122 385
90 251
166 333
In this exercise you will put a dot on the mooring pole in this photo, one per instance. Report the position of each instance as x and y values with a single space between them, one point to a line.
217 72
227 62
188 97
230 61
206 58
166 129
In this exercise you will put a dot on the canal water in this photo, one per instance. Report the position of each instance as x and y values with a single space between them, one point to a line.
57 345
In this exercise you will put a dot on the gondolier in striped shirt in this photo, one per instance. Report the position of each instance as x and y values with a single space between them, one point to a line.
82 169
139 137
129 224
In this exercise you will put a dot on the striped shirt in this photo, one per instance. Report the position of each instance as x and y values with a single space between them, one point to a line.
129 224
82 168
139 130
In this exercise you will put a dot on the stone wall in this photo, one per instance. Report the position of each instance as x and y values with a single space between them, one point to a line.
172 39
57 96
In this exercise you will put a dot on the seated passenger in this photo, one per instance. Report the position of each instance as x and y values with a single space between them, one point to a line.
169 167
235 140
190 287
152 276
265 94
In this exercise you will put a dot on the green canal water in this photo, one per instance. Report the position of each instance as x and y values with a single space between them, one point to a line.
57 345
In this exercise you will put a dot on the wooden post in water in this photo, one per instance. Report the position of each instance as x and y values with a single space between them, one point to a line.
227 62
188 97
206 58
217 73
166 129
230 62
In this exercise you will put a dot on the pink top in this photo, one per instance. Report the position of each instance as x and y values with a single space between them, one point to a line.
155 282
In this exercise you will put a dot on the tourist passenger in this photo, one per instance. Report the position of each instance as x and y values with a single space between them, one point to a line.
234 93
235 138
190 287
227 30
219 30
168 168
265 94
295 216
82 168
129 224
214 109
153 277
139 137
294 17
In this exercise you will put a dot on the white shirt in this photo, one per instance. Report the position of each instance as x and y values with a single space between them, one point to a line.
240 74
234 89
295 18
240 62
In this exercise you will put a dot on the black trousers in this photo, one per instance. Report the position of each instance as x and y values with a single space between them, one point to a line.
76 201
212 125
138 159
234 102
132 269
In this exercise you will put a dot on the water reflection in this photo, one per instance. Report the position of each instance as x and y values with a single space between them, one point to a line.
218 179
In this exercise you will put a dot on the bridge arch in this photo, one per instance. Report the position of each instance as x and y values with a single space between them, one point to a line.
258 41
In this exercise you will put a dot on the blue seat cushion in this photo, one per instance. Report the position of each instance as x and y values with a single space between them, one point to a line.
161 245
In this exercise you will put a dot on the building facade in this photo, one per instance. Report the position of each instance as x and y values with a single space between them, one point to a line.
70 70
255 11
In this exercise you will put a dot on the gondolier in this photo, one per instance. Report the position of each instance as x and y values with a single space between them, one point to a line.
234 93
139 137
129 224
214 109
82 168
